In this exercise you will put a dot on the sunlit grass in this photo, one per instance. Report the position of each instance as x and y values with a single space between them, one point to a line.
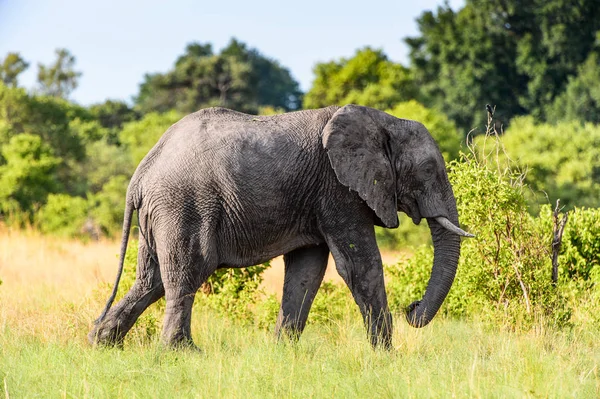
50 296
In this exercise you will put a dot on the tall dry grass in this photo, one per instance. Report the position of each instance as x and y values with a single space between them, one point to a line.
53 289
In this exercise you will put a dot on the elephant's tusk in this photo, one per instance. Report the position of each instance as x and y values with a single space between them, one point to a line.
448 225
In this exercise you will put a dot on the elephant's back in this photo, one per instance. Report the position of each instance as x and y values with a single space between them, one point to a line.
217 149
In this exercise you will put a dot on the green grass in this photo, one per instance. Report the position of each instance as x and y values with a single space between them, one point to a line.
445 359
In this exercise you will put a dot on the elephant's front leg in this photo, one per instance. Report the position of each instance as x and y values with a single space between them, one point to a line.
304 271
358 262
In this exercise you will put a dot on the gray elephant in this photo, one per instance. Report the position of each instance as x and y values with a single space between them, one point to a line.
226 189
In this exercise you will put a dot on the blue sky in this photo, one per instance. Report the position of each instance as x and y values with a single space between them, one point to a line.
117 42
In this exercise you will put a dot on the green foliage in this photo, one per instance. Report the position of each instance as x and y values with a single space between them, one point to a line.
239 78
11 67
236 293
406 235
581 99
441 128
104 162
113 113
27 176
517 55
461 61
62 215
333 303
108 205
59 79
504 274
368 78
579 259
47 117
562 160
140 136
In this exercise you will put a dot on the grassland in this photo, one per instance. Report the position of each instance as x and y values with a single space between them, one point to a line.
52 291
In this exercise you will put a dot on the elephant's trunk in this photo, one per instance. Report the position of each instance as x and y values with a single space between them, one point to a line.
445 260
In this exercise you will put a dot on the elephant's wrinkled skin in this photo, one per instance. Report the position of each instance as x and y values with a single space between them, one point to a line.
226 189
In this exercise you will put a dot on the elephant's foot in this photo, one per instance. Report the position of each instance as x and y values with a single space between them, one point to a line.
180 342
106 334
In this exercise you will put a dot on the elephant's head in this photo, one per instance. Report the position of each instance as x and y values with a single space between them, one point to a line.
395 165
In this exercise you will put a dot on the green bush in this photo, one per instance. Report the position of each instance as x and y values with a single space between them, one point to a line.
332 304
62 215
561 161
27 175
407 235
236 293
108 206
579 258
505 272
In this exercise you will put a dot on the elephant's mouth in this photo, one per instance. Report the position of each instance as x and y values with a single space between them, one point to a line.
411 208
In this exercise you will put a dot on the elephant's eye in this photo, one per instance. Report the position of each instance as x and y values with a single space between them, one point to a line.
427 169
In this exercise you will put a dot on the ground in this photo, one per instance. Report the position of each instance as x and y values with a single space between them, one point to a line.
50 295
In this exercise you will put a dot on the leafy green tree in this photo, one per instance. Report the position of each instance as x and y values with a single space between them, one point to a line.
461 62
581 99
140 136
112 115
28 175
515 54
103 162
237 78
368 78
441 128
12 66
62 125
59 79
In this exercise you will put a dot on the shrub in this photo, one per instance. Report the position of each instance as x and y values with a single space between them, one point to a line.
407 235
562 160
108 205
62 215
504 273
236 293
332 303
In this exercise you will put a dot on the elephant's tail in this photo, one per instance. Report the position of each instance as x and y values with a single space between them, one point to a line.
129 208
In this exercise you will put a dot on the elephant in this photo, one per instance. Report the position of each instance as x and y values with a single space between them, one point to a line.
226 189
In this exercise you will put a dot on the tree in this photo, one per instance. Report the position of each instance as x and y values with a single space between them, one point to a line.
368 78
112 115
237 78
581 99
59 79
461 63
28 175
12 66
65 127
515 54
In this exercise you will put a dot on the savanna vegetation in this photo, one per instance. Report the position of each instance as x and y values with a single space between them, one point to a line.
509 327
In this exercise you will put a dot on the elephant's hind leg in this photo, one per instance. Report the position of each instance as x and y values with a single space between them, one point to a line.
183 270
304 271
146 290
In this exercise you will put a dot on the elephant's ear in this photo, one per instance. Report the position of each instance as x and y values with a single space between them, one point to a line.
356 145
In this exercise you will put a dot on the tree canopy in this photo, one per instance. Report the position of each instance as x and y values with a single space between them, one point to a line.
369 78
238 77
59 79
518 55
